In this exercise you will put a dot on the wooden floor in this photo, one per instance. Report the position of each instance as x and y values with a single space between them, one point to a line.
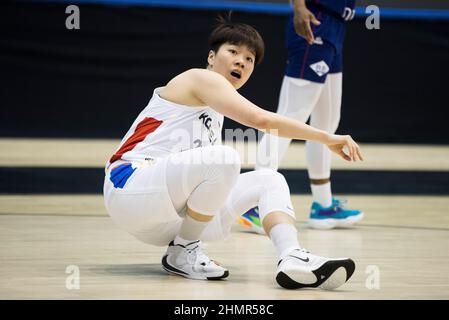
401 245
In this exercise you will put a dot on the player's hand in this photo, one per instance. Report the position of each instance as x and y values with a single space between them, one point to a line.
302 21
345 147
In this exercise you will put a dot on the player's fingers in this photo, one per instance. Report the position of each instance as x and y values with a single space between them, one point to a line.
314 20
354 153
342 154
298 29
350 147
354 148
345 156
308 32
359 153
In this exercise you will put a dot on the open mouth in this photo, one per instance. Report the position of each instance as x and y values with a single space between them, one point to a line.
236 75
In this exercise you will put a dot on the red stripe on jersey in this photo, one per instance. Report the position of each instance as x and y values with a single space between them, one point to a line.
143 129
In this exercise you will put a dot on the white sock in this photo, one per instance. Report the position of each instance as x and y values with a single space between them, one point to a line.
285 238
322 194
191 230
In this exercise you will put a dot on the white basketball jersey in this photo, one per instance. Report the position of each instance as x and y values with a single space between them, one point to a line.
165 127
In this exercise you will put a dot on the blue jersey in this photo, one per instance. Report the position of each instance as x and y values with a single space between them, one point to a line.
343 8
314 62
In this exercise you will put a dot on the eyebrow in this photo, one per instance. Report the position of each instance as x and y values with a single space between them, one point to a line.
249 50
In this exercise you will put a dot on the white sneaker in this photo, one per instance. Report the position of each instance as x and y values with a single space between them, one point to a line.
190 261
301 269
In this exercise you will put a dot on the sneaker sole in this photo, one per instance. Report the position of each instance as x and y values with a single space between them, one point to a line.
170 269
250 226
325 224
329 276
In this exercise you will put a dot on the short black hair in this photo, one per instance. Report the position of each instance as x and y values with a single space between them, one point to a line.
237 34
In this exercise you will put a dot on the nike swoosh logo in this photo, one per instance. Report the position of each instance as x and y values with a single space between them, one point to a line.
305 260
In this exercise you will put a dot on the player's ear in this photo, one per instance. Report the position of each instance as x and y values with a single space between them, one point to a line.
211 58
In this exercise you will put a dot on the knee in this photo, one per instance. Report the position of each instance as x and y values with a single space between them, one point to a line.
232 162
273 179
226 160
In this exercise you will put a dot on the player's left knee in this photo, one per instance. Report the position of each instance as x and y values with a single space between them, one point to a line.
273 179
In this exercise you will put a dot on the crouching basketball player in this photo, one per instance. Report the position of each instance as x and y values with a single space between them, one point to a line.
171 182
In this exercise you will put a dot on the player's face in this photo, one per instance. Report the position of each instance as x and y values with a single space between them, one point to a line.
235 63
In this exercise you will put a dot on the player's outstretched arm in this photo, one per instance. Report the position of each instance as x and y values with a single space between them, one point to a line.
215 91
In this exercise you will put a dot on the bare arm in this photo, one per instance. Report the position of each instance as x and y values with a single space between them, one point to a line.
215 91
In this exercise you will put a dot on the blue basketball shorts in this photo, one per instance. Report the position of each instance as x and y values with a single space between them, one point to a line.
324 56
314 62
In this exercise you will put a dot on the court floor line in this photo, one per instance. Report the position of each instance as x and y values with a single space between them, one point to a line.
298 221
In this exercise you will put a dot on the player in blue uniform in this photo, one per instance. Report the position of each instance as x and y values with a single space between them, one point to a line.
312 87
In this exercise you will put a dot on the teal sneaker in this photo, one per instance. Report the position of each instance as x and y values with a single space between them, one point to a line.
335 216
251 221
